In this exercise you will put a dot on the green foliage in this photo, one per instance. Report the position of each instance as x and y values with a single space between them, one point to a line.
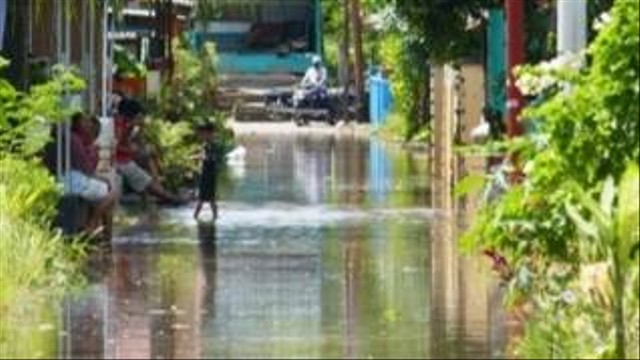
176 144
186 100
27 191
387 42
470 184
126 64
612 230
462 20
34 261
190 94
586 134
404 48
36 266
571 324
408 79
25 117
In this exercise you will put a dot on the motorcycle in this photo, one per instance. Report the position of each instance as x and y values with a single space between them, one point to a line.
302 105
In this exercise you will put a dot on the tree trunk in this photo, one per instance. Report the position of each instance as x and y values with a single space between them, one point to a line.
359 60
618 309
345 47
17 43
170 38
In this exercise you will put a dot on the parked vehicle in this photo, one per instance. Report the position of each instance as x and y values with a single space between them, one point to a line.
328 106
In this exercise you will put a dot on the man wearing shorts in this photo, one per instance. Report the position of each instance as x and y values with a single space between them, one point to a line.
127 123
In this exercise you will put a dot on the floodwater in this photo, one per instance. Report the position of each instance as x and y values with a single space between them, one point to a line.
327 247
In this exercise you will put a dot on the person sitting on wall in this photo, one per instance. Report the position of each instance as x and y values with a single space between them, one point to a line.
127 124
82 180
88 129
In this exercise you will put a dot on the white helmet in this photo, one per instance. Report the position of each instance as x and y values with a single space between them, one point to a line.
316 60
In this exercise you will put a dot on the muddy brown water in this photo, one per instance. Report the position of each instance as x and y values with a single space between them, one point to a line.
327 247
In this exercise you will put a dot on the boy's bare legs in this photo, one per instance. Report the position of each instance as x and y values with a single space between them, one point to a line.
214 209
196 213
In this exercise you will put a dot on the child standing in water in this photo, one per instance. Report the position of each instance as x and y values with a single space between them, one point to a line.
212 156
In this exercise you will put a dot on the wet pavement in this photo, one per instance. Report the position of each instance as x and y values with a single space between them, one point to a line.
327 247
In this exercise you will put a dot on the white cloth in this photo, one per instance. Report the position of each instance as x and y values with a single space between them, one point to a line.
86 187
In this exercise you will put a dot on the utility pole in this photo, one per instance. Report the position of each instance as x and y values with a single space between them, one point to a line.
572 26
359 61
515 56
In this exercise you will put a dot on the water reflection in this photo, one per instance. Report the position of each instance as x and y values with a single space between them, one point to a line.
327 247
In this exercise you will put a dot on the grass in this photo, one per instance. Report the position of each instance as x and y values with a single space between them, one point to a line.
37 265
395 128
32 258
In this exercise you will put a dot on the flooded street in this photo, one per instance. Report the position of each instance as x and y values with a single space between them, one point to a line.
327 247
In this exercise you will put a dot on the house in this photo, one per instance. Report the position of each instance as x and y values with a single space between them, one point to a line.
262 36
40 34
143 32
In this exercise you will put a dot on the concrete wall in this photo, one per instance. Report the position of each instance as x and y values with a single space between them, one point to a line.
456 108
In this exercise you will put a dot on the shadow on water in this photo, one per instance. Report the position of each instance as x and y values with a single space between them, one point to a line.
327 247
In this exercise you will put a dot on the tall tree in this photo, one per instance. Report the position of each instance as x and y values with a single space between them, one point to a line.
449 29
345 47
356 18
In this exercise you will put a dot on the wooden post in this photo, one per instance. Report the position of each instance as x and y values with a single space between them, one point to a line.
359 60
515 56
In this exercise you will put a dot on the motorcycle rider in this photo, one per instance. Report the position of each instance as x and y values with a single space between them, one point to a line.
314 83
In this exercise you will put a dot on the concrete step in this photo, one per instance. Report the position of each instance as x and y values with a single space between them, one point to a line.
230 97
251 111
256 112
262 81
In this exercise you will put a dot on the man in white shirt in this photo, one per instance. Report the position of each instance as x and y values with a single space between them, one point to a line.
314 81
316 75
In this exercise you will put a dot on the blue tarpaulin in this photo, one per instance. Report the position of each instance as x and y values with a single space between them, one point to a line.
380 99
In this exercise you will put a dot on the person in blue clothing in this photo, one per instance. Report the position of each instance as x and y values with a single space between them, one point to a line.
212 157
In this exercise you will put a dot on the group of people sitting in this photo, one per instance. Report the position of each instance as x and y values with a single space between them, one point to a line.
133 163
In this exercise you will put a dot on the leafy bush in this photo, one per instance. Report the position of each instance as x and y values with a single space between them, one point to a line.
175 144
25 118
126 64
588 132
36 266
185 101
191 93
27 191
34 260
398 51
